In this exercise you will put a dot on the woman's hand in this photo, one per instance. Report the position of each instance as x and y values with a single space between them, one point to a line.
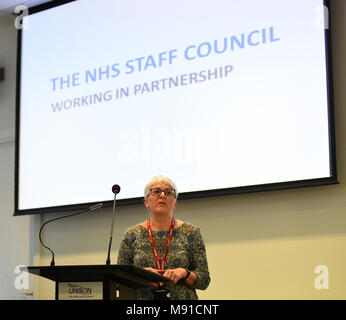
177 274
160 272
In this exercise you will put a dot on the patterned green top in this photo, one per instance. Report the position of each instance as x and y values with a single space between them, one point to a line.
187 250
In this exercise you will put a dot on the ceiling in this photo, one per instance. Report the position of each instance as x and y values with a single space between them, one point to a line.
8 6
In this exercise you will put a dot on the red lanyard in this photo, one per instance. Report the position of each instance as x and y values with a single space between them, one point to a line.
162 265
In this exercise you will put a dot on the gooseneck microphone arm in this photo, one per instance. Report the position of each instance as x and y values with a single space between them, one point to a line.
92 208
52 262
115 190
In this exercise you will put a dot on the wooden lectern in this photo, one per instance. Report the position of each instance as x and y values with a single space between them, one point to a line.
106 282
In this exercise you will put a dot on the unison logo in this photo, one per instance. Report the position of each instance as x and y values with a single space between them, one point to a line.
76 289
80 290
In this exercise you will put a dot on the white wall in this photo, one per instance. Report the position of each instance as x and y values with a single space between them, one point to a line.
259 246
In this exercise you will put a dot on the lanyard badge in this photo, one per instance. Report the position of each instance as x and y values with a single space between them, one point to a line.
161 266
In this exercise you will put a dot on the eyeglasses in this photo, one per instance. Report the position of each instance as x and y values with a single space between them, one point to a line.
157 192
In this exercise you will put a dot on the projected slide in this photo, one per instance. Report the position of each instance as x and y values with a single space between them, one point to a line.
213 94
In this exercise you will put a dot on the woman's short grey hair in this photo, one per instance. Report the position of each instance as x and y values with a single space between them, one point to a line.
160 179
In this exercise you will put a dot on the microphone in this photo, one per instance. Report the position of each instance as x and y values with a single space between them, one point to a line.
91 208
115 190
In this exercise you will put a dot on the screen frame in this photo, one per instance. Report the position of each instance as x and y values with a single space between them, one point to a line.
184 195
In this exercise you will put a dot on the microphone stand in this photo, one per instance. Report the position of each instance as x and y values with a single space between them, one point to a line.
92 208
108 261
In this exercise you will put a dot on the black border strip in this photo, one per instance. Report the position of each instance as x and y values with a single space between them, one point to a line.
330 93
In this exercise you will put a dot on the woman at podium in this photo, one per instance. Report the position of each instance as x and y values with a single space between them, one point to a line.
166 245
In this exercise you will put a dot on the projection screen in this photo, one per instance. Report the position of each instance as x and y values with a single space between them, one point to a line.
222 96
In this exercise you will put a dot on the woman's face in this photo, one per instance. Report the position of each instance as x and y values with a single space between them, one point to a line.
160 204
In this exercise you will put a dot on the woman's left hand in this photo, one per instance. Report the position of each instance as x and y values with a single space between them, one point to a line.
175 274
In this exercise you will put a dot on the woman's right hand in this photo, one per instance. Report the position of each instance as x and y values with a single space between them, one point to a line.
160 272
